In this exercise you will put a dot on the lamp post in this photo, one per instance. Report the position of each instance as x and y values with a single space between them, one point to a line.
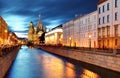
70 40
90 41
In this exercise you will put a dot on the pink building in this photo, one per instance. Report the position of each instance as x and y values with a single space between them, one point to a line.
109 23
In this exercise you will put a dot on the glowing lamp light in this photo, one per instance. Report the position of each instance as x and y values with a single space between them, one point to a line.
5 31
89 36
70 38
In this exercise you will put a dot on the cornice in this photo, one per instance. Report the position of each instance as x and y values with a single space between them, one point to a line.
101 1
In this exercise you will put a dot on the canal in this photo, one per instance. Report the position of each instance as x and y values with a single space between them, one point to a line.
36 63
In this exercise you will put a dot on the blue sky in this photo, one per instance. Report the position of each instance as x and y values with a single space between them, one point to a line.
18 13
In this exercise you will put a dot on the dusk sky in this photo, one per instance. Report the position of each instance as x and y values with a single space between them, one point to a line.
19 13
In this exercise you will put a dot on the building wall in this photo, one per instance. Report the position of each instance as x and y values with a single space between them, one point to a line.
54 37
77 31
12 39
3 31
107 38
68 34
85 30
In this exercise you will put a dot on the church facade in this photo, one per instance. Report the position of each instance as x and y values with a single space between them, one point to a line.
36 33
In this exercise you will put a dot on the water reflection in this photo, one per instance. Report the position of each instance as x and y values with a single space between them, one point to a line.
89 74
70 70
36 63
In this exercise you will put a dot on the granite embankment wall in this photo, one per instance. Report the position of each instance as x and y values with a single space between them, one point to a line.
105 60
6 61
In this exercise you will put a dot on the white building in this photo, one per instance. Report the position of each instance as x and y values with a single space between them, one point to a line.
85 30
77 31
55 36
109 23
68 34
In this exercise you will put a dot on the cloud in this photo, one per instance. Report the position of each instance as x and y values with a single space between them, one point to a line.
19 13
22 35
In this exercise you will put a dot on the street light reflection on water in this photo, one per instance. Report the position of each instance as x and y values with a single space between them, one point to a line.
36 63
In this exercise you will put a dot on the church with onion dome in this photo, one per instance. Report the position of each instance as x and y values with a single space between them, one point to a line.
36 33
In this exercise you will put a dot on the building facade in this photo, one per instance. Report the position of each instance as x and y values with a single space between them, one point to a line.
55 36
108 23
36 33
77 31
3 32
12 39
30 32
68 34
85 30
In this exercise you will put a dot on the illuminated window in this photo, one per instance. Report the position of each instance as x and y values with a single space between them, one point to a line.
116 30
99 32
108 31
103 32
116 41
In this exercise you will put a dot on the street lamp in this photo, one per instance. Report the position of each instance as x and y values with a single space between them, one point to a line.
90 41
70 40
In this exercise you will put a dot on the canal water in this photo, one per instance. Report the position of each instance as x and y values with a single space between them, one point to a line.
36 63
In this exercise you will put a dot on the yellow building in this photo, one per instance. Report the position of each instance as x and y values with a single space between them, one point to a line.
55 36
12 39
30 32
3 31
36 33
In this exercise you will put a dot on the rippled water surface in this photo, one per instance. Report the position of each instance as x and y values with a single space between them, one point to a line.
36 63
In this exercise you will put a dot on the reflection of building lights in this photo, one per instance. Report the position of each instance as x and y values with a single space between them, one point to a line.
89 74
56 65
70 70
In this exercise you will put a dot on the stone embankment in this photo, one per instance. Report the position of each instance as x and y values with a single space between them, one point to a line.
102 59
7 56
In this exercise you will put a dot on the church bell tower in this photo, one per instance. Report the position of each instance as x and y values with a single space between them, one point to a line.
30 32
